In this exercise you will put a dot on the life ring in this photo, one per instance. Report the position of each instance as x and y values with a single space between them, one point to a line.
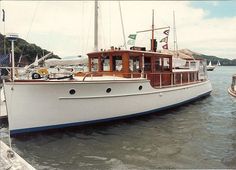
36 76
42 71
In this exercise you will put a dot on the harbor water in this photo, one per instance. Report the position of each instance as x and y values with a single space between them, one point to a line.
197 135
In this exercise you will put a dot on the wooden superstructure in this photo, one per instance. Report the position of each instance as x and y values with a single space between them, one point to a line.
154 66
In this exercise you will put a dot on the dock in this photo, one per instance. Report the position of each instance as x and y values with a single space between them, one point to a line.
11 160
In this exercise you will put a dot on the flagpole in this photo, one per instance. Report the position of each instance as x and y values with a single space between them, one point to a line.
152 46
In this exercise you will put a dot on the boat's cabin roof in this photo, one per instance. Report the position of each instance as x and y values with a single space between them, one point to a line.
129 61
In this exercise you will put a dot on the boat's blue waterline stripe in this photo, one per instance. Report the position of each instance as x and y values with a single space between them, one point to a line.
14 132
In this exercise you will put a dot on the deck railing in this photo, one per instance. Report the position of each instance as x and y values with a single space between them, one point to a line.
157 80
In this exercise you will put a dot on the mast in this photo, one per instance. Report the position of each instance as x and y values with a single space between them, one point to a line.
121 18
152 45
96 25
175 36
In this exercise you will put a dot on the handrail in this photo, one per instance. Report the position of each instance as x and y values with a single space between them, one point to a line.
86 74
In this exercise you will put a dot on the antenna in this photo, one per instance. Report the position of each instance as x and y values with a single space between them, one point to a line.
12 37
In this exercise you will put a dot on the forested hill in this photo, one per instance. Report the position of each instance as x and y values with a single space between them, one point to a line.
27 50
213 59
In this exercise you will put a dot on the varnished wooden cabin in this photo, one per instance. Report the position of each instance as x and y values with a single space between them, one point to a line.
154 66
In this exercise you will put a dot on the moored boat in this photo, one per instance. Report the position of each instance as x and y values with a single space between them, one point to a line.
120 83
210 67
232 88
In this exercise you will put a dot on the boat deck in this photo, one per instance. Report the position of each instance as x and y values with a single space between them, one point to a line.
11 160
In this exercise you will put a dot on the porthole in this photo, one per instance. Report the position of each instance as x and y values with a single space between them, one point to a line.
72 91
108 90
140 87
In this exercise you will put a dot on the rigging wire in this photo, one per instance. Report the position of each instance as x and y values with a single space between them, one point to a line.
30 27
32 20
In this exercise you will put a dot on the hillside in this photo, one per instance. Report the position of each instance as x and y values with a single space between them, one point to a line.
27 50
213 59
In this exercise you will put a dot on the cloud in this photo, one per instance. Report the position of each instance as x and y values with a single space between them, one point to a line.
66 28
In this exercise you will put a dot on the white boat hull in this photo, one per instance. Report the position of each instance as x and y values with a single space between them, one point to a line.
48 105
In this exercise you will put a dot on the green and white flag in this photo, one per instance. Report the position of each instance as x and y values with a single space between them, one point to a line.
132 38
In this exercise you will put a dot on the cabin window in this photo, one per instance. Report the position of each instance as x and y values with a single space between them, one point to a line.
158 64
193 64
116 63
134 63
94 64
147 63
105 62
166 64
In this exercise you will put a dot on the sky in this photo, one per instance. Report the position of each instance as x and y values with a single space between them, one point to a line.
66 28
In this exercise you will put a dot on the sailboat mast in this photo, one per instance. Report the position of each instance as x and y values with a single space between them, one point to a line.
152 46
121 18
96 25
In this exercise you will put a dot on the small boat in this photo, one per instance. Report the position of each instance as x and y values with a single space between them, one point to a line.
210 67
232 88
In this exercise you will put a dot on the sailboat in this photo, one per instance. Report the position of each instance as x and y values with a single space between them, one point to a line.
210 67
120 83
218 63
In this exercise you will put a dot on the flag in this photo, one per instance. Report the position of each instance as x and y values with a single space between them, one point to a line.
5 60
3 15
165 46
166 32
131 42
164 40
132 38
